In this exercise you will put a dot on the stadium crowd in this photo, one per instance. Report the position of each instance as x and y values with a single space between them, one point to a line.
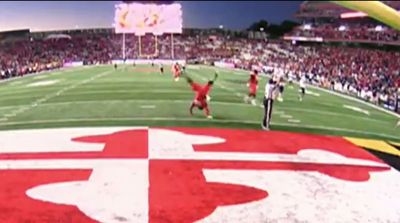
348 32
369 74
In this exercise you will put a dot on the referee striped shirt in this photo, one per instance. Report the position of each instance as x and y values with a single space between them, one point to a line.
269 89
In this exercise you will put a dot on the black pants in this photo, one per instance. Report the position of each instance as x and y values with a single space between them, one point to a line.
268 103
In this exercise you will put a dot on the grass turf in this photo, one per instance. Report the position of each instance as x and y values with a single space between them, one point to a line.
128 96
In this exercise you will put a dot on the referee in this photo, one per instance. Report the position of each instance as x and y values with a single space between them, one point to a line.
270 94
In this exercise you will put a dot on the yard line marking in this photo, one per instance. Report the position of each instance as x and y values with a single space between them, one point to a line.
339 114
138 101
10 115
42 83
278 112
148 106
294 125
311 93
294 120
39 77
59 92
357 109
286 116
15 83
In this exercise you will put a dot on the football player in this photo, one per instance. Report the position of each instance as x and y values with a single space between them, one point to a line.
252 84
201 96
176 70
302 84
281 88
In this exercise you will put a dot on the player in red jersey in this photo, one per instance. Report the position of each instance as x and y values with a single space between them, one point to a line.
253 85
200 99
176 70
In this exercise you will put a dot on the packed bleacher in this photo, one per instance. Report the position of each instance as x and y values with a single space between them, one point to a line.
348 32
331 22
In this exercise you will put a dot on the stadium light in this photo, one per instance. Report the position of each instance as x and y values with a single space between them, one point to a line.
307 27
221 26
378 28
261 29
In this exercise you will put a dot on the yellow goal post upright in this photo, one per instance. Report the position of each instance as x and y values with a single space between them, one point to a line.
375 9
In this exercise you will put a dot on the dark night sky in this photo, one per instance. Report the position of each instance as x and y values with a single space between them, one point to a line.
52 15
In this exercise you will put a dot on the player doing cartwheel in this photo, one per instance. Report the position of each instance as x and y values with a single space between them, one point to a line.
201 96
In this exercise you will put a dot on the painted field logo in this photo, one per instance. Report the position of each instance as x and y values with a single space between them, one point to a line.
190 175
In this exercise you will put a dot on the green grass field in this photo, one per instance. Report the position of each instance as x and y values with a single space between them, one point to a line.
140 96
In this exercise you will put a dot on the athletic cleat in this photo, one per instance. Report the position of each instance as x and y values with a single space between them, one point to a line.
264 127
253 102
209 117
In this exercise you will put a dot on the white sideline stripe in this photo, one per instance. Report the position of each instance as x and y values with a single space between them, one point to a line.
338 94
357 100
198 120
294 120
3 119
35 74
148 106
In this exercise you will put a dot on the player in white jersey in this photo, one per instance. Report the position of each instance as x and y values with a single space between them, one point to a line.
281 88
269 96
291 78
302 84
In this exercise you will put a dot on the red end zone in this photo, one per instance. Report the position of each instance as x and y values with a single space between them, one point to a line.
188 175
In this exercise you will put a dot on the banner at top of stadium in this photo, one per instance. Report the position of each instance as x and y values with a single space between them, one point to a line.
148 18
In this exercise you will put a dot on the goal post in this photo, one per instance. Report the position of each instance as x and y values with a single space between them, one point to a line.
148 19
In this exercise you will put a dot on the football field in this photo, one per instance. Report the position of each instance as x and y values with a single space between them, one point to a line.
95 144
140 96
